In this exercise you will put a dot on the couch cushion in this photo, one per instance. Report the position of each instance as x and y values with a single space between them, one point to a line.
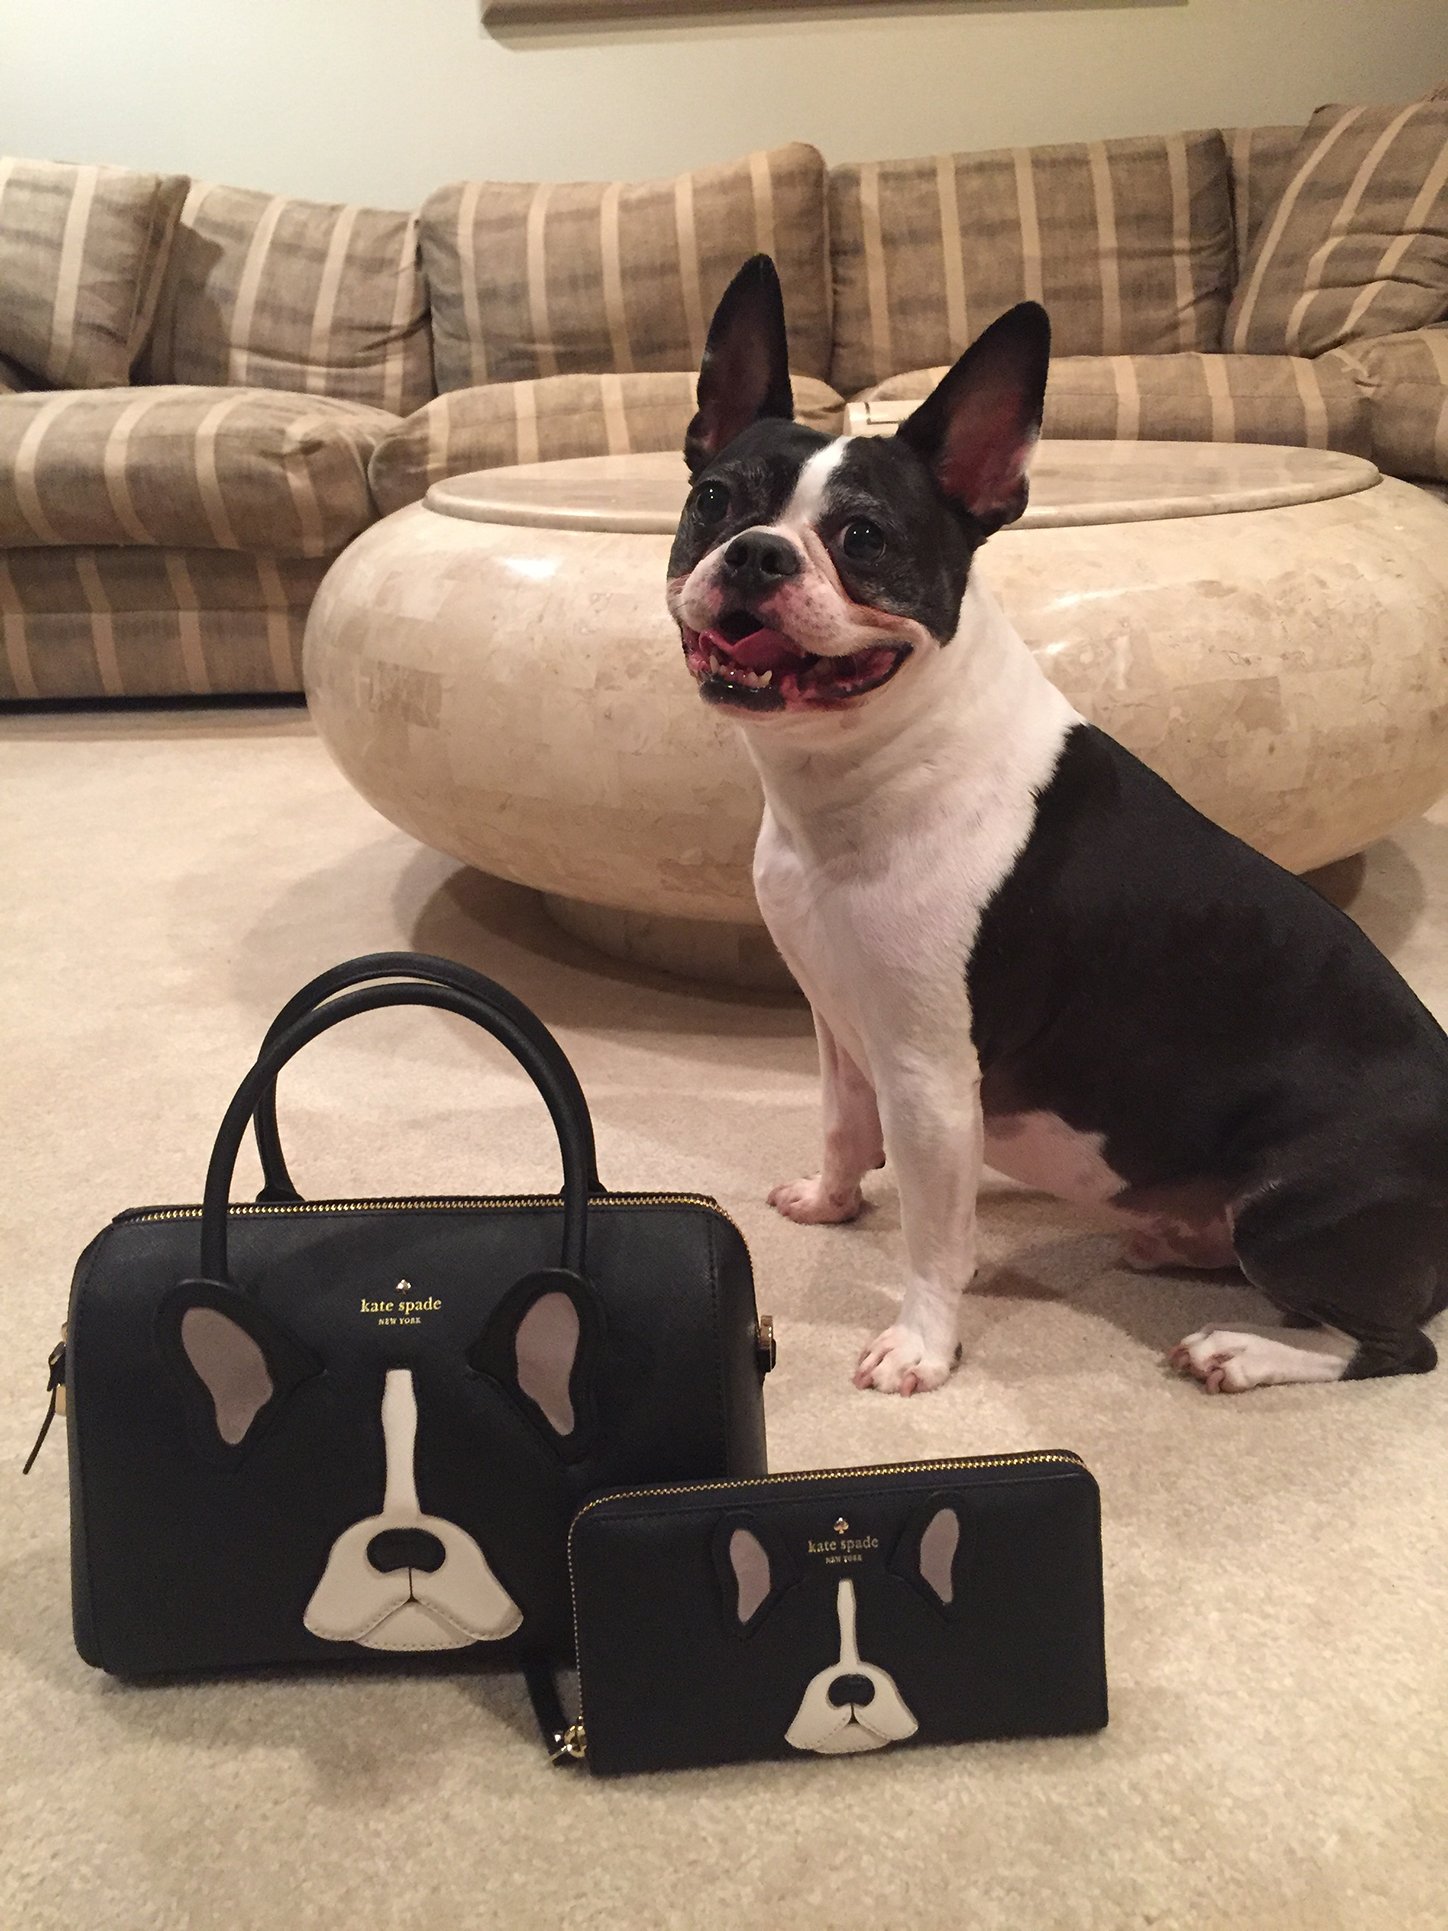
554 278
151 623
224 469
557 416
1357 244
270 293
1404 380
13 379
1261 161
1128 243
82 251
1181 398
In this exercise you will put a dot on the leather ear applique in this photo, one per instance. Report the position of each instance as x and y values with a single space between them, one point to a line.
931 1554
752 1570
541 1345
235 1362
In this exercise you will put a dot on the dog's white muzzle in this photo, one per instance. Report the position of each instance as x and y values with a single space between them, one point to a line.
459 1602
851 1705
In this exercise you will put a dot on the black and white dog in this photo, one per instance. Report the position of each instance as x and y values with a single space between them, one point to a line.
1021 947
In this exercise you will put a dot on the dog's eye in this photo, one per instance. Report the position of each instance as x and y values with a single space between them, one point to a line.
711 504
862 541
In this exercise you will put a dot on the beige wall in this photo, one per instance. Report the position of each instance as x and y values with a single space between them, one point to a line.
380 100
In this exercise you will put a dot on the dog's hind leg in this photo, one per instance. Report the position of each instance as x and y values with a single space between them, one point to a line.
1371 1277
853 1141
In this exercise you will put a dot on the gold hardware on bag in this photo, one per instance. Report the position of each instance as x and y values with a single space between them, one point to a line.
764 1343
55 1388
571 1743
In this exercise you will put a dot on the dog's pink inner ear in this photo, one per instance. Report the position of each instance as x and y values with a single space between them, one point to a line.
547 1347
937 1552
986 454
231 1366
749 1559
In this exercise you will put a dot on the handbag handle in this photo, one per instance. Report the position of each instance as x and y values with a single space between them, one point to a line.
427 968
568 1108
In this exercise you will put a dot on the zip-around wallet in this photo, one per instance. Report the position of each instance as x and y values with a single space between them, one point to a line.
836 1611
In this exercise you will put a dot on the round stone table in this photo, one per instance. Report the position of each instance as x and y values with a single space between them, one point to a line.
495 670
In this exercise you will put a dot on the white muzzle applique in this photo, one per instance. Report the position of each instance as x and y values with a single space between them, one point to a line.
851 1705
401 1579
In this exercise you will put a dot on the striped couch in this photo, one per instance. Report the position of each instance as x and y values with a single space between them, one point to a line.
206 393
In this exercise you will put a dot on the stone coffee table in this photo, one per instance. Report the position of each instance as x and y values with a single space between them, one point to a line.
495 671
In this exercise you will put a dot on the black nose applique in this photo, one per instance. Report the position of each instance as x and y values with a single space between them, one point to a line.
405 1549
759 561
851 1689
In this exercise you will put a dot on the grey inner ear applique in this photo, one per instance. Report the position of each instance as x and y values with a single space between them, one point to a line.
937 1552
749 1560
231 1366
547 1347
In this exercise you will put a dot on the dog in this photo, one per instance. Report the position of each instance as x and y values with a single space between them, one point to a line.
1021 947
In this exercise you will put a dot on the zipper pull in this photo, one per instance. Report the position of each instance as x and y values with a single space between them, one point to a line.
55 1388
571 1743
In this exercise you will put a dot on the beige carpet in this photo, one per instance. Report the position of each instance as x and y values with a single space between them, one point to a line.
1277 1564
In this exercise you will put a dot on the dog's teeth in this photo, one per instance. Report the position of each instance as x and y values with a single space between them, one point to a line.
764 679
714 663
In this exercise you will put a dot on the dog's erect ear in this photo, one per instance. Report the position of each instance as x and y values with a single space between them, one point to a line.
753 1571
546 1348
238 1364
749 1560
745 371
932 1554
978 426
938 1546
541 1346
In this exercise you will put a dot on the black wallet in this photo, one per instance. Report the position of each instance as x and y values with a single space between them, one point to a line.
836 1611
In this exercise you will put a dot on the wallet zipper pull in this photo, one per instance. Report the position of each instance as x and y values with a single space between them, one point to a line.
55 1388
571 1743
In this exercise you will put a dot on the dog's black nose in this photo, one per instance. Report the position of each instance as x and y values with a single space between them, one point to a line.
851 1689
758 562
405 1549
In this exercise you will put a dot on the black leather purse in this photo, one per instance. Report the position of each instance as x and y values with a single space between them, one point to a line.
318 1431
833 1612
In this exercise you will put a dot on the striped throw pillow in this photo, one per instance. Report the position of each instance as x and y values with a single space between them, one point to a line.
82 250
1357 244
1128 243
562 278
1261 160
267 292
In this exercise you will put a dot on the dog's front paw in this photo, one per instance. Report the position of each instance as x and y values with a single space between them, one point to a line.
1229 1363
814 1204
898 1362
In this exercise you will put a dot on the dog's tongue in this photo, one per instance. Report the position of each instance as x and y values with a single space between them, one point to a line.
760 650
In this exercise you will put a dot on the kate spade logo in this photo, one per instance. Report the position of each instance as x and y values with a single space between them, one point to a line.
841 1547
404 1310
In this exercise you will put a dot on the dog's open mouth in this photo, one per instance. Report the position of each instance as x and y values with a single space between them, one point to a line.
739 661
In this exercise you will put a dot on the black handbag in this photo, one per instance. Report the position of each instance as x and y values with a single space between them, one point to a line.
317 1431
833 1612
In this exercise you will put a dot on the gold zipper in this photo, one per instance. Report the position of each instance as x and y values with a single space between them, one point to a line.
574 1741
459 1203
398 1202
